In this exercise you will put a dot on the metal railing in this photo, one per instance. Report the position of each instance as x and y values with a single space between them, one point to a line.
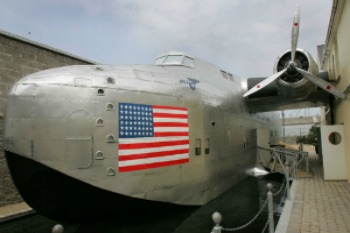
216 216
281 156
269 200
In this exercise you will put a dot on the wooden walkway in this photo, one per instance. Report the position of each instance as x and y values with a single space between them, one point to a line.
319 205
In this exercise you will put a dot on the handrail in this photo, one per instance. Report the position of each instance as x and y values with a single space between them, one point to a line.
268 202
276 154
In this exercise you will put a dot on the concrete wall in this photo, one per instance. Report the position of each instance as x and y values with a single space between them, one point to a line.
19 57
338 65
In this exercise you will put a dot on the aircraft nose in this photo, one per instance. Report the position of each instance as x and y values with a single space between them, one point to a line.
46 113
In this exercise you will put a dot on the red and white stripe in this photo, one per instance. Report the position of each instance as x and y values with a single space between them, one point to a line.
169 146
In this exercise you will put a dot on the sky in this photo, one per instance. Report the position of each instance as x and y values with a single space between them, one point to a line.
241 36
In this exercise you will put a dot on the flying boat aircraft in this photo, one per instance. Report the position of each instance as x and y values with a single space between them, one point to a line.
94 140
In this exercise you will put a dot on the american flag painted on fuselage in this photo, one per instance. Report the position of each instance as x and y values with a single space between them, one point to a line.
152 136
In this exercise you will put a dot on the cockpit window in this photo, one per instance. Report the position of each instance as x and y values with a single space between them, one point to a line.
175 59
224 74
227 75
188 62
160 60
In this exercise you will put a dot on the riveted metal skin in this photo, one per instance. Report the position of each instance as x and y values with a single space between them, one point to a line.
51 118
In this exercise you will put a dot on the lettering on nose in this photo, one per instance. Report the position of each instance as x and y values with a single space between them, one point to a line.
191 82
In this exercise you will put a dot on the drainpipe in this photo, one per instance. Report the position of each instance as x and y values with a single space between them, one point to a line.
337 9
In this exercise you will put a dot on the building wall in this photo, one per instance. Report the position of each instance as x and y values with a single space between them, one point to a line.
19 57
338 66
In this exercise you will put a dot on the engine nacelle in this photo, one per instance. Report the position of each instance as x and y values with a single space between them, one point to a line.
292 84
295 74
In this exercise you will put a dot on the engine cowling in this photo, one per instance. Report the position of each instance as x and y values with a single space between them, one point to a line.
292 84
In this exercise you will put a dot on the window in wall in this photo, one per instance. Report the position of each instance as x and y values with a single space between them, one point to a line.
198 146
206 146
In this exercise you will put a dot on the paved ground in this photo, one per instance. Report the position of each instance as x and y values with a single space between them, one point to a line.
320 206
12 211
8 192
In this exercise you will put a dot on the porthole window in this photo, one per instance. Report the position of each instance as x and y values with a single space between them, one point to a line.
110 171
110 107
110 80
99 155
110 138
100 92
99 122
334 138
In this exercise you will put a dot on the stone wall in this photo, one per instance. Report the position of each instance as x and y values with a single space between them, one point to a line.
19 57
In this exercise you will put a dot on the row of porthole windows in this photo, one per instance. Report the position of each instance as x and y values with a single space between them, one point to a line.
101 91
198 146
99 121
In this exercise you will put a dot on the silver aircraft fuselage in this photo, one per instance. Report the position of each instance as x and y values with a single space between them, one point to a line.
68 119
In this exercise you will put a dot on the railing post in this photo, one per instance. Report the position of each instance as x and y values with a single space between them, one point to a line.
287 180
270 207
295 168
217 219
58 228
307 163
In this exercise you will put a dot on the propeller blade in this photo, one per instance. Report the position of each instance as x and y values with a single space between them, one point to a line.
264 83
295 32
322 84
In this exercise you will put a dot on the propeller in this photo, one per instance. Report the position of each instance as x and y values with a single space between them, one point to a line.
295 32
322 84
292 67
264 83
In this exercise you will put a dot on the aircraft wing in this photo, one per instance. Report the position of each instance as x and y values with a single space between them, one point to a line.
276 103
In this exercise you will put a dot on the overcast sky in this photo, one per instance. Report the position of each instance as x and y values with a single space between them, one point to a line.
242 36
